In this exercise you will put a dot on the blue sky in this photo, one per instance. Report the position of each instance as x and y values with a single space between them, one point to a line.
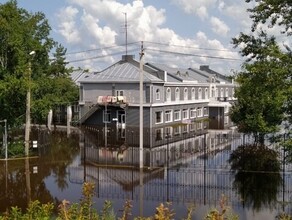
203 28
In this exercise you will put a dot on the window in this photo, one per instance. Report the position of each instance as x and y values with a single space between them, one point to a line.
168 116
81 91
192 127
199 112
205 111
168 131
106 116
157 94
185 113
226 119
158 133
168 94
221 92
185 93
184 128
177 94
158 117
176 130
120 93
176 115
200 125
193 94
200 93
206 93
193 113
212 91
226 92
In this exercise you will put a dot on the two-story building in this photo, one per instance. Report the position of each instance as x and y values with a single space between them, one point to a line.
176 101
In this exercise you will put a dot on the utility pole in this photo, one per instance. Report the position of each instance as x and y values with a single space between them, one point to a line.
141 108
5 143
27 113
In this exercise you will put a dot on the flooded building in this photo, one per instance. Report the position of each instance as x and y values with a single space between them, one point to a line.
176 101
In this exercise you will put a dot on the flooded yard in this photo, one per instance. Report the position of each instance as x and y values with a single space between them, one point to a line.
191 171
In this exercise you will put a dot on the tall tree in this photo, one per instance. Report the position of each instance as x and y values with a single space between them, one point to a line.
20 33
264 95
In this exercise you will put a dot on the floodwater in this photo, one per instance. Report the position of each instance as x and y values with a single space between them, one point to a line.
191 171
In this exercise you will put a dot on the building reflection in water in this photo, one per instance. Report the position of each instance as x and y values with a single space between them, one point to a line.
192 169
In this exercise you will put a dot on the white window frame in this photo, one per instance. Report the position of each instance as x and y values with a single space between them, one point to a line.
177 94
193 113
168 116
185 114
221 92
168 131
206 93
226 119
226 92
192 127
205 111
200 93
185 128
176 130
157 94
185 93
193 93
161 117
168 94
200 125
120 92
175 113
158 134
199 112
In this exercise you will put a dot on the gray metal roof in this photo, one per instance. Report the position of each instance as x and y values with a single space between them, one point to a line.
120 72
208 75
180 74
76 75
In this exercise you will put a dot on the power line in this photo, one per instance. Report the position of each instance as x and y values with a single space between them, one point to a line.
188 47
101 56
193 55
102 48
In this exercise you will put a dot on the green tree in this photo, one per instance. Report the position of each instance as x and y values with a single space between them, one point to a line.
20 33
264 93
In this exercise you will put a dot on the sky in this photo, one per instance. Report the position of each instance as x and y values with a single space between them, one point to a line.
179 33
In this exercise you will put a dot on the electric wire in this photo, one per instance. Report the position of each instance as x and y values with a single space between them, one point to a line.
193 55
102 48
101 56
187 47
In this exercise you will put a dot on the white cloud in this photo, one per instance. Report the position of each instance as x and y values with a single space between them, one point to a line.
197 7
218 26
67 25
101 25
105 36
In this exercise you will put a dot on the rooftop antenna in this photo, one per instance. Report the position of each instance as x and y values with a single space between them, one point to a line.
126 32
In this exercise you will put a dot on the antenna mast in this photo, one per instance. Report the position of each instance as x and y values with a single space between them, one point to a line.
126 32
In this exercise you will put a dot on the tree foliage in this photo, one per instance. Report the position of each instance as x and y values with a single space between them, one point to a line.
275 12
23 32
265 91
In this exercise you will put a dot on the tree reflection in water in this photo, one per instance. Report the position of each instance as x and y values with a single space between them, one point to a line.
257 175
54 157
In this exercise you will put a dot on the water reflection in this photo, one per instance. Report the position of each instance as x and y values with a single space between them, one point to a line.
24 178
257 175
184 170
